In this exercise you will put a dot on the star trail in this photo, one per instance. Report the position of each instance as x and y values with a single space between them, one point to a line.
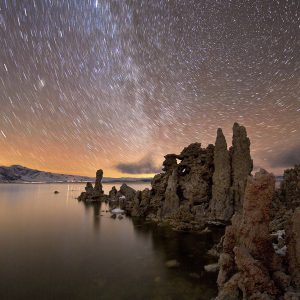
99 84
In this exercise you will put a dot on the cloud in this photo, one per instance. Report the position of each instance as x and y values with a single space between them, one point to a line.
144 166
289 158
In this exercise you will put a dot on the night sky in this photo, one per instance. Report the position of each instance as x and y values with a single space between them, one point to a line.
118 84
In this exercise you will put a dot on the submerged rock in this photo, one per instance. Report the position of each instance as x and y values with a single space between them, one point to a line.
117 211
173 263
212 268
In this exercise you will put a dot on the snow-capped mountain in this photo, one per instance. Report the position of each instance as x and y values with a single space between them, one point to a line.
20 174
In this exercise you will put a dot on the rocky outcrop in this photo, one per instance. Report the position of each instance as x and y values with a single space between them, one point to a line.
141 203
112 195
93 193
248 255
241 164
126 196
222 203
293 246
204 184
289 192
252 266
98 184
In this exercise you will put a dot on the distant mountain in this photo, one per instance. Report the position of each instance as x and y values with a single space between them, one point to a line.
20 174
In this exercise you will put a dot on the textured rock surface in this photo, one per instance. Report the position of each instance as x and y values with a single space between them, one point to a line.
93 193
290 187
248 254
98 184
222 202
141 203
127 191
294 247
198 183
241 162
112 195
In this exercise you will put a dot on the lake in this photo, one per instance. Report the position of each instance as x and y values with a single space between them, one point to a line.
54 247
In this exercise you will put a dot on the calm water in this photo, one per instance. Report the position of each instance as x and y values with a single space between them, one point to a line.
53 247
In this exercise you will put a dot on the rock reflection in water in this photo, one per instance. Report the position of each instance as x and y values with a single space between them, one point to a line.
181 257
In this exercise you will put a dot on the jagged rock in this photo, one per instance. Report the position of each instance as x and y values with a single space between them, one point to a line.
293 246
290 188
190 181
141 203
87 195
98 191
93 193
292 295
282 280
126 196
127 191
159 184
171 198
207 182
222 202
170 162
241 164
246 262
112 195
89 188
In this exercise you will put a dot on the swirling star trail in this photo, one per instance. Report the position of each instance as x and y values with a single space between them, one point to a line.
90 84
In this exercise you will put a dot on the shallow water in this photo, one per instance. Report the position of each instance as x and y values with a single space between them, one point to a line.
54 247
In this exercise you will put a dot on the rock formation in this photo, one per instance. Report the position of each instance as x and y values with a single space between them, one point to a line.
293 246
112 195
98 184
93 193
290 187
200 184
241 163
250 268
248 253
222 202
126 196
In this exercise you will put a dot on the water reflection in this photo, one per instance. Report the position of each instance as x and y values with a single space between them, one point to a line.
53 247
96 208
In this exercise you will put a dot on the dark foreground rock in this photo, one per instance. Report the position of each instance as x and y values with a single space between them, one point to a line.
259 255
199 185
250 268
93 193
